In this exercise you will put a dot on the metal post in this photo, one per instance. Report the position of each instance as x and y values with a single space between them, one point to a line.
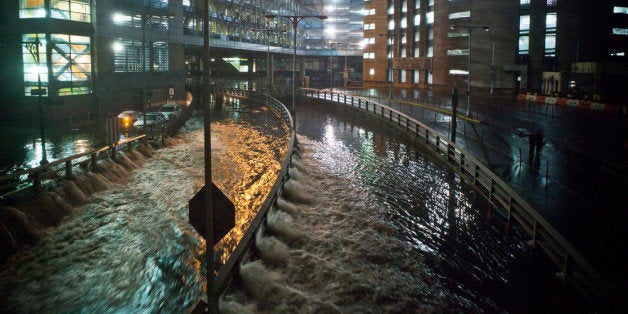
144 96
295 19
212 304
454 114
469 75
295 23
33 49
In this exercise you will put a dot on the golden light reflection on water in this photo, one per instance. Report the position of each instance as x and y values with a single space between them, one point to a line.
245 170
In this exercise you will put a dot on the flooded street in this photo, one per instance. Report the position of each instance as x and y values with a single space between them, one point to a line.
370 223
131 248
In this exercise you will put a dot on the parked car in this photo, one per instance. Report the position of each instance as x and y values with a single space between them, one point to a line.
152 119
171 111
127 118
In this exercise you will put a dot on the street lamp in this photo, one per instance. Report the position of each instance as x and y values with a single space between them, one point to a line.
331 62
33 48
295 19
469 31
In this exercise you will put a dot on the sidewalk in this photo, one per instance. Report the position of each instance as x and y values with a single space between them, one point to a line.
578 181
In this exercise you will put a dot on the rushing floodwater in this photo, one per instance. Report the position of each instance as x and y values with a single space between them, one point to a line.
370 224
373 224
131 248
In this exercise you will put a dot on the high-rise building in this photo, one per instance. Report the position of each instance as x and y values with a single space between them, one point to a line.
574 47
428 43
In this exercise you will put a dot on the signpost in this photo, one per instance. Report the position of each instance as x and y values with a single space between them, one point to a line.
222 209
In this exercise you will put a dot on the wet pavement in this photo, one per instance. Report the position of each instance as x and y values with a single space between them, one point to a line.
577 181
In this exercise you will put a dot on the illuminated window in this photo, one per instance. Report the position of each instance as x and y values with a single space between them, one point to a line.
32 9
371 71
551 3
153 22
128 56
404 22
429 77
458 72
620 10
620 31
524 24
459 15
415 77
524 2
429 17
391 25
524 45
73 10
71 63
155 4
402 76
33 70
550 21
550 44
458 52
417 20
161 57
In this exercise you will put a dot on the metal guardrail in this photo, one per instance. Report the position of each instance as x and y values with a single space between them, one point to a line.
36 178
226 272
574 268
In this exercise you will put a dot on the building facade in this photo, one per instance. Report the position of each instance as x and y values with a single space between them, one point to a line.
431 43
86 58
545 46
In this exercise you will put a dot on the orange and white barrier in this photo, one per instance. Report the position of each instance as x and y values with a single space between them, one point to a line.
562 101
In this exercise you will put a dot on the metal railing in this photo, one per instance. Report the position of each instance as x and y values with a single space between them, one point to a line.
226 272
574 268
35 179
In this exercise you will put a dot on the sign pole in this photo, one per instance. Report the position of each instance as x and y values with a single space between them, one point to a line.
212 305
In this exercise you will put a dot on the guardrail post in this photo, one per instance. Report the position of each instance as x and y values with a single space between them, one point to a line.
461 161
92 163
68 168
437 144
532 242
359 103
37 181
345 98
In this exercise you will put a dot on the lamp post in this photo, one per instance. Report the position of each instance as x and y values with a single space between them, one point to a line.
331 62
33 48
469 29
295 19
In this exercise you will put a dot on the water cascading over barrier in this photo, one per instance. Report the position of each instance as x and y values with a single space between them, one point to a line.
24 220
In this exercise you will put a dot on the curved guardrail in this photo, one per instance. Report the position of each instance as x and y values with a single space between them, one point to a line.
574 268
35 179
226 272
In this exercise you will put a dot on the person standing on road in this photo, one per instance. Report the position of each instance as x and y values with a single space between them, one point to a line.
538 138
